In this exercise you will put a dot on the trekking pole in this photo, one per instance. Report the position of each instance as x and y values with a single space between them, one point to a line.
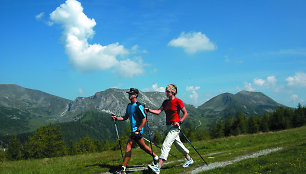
118 138
158 146
150 136
192 146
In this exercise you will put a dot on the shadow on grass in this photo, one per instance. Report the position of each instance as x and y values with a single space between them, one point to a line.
114 168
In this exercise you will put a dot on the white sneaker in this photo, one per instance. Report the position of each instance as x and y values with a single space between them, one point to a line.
154 168
188 162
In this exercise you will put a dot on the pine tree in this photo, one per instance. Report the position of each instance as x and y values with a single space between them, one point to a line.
217 131
86 145
228 126
14 149
299 117
2 154
278 120
106 145
201 133
253 126
264 123
47 141
72 148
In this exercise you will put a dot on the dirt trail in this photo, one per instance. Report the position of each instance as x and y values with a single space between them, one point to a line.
237 159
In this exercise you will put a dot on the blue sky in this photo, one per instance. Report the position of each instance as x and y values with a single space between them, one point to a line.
77 48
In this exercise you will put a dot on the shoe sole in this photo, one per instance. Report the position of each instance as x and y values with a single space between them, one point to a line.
151 169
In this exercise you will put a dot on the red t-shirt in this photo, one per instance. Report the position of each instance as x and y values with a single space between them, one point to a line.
172 109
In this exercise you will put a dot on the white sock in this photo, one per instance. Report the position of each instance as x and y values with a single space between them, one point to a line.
123 168
188 158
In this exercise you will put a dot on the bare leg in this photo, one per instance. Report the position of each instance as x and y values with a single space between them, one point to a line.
187 156
144 147
128 152
161 162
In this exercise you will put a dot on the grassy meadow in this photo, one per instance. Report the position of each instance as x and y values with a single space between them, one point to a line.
291 159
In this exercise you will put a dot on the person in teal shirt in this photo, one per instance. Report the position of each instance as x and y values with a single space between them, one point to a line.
136 114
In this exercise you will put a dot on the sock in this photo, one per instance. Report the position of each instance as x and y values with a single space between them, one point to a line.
156 158
123 168
188 158
159 166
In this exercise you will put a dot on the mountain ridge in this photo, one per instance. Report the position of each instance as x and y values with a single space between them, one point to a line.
35 108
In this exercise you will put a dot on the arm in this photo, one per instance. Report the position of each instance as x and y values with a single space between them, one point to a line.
185 114
143 122
156 112
114 117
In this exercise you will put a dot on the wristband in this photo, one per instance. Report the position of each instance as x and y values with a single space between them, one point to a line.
147 110
180 122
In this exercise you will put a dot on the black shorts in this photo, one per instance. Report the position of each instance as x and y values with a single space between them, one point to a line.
135 137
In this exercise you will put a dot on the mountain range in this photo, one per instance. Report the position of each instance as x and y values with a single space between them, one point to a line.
23 110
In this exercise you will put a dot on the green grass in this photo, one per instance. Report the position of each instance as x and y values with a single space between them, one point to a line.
289 160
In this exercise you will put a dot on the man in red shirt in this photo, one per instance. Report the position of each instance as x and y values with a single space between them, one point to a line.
172 107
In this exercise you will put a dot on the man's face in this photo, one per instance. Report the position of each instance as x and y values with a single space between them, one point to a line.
131 96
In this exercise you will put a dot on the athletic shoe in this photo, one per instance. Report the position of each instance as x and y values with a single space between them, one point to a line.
188 162
154 168
122 171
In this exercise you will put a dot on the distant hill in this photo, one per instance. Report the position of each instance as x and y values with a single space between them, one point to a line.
245 102
22 109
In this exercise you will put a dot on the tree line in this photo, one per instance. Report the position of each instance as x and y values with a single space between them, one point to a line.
280 119
48 141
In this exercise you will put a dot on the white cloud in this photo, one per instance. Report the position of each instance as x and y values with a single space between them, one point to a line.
294 97
128 68
248 86
85 57
259 82
154 88
270 81
299 80
193 42
194 94
40 15
158 89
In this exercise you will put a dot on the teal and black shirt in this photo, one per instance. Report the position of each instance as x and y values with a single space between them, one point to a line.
135 113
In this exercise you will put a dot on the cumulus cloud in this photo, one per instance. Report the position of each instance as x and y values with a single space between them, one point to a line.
128 68
259 82
194 94
158 89
248 86
85 57
270 81
154 87
299 80
193 42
